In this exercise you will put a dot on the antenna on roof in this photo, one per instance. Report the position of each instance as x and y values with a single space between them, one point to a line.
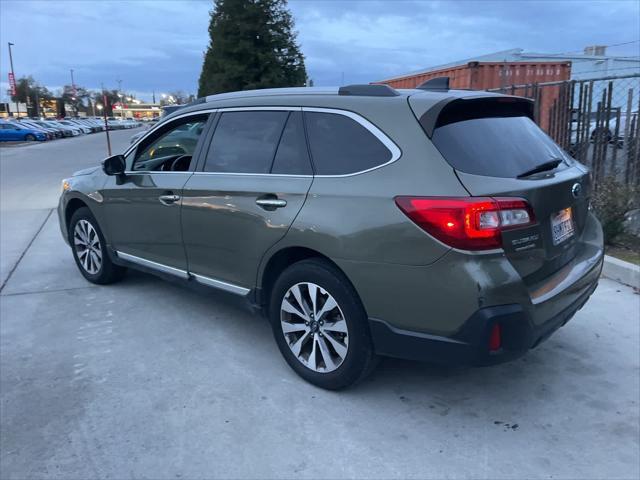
438 84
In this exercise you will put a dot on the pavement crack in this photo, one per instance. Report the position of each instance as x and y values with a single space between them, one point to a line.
37 292
13 269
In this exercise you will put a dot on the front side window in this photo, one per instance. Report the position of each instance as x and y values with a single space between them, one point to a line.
172 148
245 142
340 145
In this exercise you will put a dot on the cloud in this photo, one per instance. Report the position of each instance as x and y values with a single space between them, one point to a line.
158 45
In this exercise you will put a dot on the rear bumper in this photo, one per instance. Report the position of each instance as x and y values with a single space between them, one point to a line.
470 345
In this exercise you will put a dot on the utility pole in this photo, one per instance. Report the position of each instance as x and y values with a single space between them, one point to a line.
13 76
154 96
74 93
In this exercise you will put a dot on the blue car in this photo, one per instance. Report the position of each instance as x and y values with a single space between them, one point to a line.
14 132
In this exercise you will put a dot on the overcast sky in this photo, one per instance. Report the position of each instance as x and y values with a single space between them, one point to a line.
158 45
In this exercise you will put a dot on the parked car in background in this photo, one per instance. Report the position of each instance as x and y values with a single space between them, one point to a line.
75 124
50 132
83 122
430 224
58 130
99 124
14 132
608 132
115 124
69 130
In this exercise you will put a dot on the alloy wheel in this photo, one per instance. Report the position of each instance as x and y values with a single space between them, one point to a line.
87 245
314 327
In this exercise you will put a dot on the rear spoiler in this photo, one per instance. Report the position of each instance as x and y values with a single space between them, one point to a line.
456 109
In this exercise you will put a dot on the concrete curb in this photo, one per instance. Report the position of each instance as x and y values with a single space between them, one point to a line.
621 271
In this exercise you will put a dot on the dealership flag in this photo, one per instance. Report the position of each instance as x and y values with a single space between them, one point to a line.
12 83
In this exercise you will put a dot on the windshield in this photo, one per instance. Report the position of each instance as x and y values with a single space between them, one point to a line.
496 146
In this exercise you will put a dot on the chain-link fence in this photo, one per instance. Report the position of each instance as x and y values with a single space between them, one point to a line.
595 120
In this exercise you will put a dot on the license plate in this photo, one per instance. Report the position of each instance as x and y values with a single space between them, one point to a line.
561 226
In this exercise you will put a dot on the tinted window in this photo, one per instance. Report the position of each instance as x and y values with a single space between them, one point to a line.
245 142
178 139
495 146
340 145
292 157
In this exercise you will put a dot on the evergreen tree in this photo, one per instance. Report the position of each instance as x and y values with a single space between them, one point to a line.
252 45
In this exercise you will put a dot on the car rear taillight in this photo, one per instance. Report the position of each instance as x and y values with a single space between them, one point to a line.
467 223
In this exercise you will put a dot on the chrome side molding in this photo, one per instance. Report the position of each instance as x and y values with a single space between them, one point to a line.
155 265
220 285
210 282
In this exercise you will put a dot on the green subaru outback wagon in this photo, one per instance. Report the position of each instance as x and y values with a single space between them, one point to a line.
427 224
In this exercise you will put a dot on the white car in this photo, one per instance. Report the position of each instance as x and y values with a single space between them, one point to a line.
609 134
69 130
69 123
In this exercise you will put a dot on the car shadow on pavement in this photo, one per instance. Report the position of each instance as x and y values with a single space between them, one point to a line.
557 365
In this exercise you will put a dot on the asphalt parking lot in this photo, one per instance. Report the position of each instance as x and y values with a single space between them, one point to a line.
149 379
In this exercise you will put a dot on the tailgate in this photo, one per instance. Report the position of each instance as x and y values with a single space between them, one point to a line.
497 150
560 205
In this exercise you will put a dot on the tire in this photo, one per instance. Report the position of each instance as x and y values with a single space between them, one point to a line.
30 138
343 356
601 136
94 265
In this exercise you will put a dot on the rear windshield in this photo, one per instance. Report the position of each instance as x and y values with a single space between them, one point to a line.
495 146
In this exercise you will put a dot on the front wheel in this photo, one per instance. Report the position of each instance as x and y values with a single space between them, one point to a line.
30 138
89 249
320 325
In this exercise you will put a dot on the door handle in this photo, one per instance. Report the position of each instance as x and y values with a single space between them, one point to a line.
168 199
271 203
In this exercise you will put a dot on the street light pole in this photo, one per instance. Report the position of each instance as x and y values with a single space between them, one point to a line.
14 79
120 96
106 125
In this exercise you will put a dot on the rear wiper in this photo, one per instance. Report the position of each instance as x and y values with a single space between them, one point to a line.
543 167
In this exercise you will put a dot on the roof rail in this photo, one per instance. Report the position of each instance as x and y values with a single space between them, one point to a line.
368 90
197 101
437 83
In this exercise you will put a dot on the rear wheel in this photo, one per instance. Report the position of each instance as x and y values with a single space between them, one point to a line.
320 325
89 249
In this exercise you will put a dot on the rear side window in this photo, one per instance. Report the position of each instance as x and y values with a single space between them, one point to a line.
340 145
292 157
502 143
245 142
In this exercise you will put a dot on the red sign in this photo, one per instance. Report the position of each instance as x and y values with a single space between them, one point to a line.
12 84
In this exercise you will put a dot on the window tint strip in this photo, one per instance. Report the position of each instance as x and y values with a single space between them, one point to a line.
275 152
292 156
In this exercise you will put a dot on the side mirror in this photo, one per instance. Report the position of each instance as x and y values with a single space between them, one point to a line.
114 165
